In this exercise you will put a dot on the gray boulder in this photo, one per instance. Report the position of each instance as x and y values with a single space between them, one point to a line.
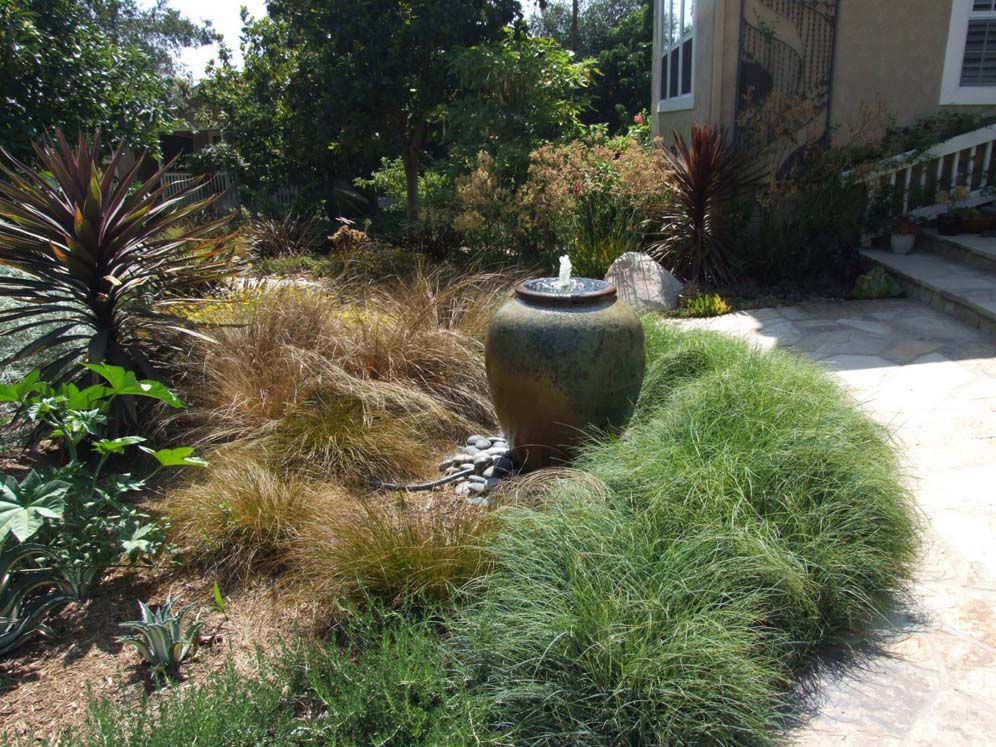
643 283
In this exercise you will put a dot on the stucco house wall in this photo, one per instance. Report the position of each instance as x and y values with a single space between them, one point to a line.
888 52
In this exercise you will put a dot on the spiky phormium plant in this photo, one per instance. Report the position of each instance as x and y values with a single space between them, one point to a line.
697 236
96 254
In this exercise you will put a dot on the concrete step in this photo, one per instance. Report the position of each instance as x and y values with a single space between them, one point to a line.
949 285
971 249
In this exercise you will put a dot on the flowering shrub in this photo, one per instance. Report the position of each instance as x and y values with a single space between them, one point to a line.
590 198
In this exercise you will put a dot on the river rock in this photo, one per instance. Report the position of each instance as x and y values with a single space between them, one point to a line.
642 283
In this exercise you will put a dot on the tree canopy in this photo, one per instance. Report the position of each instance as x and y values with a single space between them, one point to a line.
618 36
86 64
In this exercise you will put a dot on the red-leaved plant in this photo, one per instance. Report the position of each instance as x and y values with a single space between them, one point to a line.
96 254
696 236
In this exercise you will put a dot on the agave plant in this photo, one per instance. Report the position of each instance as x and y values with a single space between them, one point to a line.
161 637
96 253
697 236
27 594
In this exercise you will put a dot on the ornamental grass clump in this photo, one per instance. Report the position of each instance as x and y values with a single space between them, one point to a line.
308 398
405 555
749 514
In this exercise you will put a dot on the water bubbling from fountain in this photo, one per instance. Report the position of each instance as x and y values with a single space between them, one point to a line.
565 273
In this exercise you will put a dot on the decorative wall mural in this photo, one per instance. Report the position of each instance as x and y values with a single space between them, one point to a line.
785 73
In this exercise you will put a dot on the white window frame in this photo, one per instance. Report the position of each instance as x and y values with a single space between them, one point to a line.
952 91
686 101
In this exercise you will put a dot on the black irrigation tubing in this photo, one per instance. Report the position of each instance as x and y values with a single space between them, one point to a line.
422 485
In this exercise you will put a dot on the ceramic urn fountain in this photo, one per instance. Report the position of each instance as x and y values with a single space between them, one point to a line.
564 358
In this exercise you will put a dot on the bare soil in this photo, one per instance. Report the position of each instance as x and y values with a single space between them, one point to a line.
47 685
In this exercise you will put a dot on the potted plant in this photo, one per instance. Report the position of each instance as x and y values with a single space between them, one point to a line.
952 221
974 220
903 236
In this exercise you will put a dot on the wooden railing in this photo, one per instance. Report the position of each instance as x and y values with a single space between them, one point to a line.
223 183
220 183
914 179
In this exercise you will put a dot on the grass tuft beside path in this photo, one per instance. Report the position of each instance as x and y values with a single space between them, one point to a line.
752 513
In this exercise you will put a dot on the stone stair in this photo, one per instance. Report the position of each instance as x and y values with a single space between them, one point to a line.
953 274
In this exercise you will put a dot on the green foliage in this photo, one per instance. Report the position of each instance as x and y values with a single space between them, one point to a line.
749 514
255 107
705 304
625 67
75 414
515 95
386 682
928 131
876 283
357 81
805 234
226 710
96 257
697 235
161 637
617 35
79 511
27 593
390 684
86 64
25 504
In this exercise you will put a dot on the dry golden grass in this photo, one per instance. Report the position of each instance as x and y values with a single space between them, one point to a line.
401 553
360 352
241 516
312 394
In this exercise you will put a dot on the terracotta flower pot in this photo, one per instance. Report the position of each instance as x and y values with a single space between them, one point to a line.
976 224
561 364
948 225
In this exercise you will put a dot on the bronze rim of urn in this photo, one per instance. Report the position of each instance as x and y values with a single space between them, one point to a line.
562 365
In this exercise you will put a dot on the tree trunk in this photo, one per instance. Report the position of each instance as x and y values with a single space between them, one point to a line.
574 26
410 159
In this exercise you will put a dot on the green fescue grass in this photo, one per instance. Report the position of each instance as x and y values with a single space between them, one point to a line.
665 595
749 514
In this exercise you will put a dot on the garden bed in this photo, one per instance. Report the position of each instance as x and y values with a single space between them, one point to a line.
667 592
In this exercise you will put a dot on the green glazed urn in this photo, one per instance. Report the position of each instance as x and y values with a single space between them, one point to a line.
561 363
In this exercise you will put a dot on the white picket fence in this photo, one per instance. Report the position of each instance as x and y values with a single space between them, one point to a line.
916 178
221 183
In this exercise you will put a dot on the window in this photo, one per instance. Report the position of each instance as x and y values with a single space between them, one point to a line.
677 30
970 62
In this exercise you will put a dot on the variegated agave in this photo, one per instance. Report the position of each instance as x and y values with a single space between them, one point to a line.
96 254
161 638
27 594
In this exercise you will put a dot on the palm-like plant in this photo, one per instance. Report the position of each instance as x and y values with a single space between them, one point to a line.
697 236
96 255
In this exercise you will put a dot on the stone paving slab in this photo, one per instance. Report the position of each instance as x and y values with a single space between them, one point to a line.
927 678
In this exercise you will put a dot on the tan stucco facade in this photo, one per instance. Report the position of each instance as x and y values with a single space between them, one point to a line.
891 53
888 54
